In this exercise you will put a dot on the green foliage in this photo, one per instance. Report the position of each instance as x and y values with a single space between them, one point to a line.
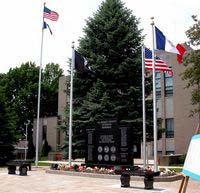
21 91
21 87
112 47
193 33
43 158
192 60
75 166
181 159
43 164
49 89
8 132
177 170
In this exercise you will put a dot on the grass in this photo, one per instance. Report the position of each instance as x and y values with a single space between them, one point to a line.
43 158
42 164
33 164
177 170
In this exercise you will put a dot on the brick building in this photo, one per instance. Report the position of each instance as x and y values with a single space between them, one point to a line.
48 125
173 110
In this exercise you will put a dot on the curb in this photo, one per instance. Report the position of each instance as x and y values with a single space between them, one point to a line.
107 176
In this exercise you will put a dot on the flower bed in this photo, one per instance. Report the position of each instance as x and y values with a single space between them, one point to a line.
113 170
166 175
79 168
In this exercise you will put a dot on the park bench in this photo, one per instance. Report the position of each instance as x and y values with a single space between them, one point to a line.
148 177
24 165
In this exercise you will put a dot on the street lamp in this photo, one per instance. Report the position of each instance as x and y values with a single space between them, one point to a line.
27 123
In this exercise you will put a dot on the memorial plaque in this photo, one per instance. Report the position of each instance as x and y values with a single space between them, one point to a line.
90 146
109 143
106 136
126 155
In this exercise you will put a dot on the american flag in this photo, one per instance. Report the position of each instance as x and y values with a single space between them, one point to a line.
48 14
160 65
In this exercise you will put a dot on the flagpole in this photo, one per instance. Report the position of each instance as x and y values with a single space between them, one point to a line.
154 99
39 93
71 104
143 109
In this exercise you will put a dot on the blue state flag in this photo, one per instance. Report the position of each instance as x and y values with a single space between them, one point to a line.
162 43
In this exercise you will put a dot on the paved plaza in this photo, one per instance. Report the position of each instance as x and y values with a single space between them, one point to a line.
38 181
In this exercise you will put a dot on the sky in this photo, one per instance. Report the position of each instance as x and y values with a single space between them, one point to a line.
21 27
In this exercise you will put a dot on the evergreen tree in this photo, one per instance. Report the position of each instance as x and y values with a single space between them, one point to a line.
112 47
192 60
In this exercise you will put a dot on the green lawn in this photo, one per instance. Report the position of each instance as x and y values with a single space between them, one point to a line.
42 164
177 170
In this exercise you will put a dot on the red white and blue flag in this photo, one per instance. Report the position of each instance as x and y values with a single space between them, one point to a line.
162 43
160 65
48 14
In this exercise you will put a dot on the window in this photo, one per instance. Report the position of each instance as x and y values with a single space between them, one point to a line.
168 85
158 85
170 152
169 125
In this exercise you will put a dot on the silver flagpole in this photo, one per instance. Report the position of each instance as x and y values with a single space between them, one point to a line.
39 93
154 100
71 104
143 109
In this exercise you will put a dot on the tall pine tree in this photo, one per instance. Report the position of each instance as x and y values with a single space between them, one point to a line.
112 47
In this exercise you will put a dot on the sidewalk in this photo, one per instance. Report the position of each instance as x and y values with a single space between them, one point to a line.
38 181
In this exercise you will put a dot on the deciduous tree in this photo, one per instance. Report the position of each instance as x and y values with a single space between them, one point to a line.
192 60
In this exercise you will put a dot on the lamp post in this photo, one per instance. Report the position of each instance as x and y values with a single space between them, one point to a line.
27 123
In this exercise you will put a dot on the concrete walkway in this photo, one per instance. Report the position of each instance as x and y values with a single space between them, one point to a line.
38 181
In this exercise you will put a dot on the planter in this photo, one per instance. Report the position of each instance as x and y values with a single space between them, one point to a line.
125 180
58 156
55 156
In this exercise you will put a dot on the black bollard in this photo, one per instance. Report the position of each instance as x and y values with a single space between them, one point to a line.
125 180
148 181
